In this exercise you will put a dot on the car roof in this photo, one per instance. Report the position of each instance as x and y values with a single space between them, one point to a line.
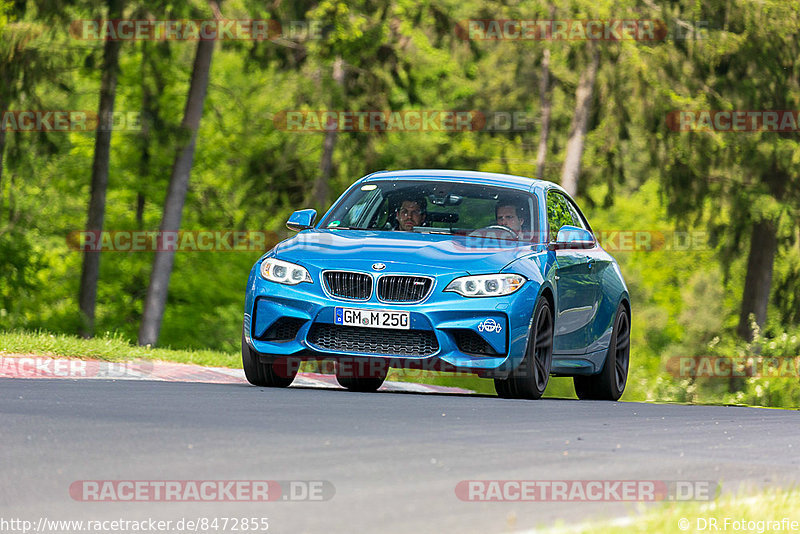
472 177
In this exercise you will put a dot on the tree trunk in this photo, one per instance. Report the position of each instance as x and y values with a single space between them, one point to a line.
12 204
102 152
139 210
544 95
144 138
758 281
580 124
321 190
3 106
156 298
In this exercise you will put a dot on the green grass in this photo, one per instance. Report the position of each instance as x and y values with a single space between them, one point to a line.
109 347
768 505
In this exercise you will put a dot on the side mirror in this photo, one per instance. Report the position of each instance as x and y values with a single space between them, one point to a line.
301 220
570 237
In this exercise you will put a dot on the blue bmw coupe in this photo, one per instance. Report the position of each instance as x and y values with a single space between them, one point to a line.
491 274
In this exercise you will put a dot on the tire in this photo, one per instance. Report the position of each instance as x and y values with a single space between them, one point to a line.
363 375
530 379
277 374
501 387
610 383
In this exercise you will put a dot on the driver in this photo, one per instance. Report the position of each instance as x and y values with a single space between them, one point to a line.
411 212
510 215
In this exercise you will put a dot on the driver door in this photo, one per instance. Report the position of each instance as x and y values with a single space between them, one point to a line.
574 281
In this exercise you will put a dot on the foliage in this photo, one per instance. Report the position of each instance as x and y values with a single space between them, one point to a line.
249 173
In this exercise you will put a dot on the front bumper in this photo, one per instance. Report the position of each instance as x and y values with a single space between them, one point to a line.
487 336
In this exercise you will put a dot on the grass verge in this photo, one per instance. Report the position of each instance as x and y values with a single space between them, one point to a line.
771 510
114 348
646 383
109 347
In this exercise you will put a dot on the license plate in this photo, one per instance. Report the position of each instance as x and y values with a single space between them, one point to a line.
399 320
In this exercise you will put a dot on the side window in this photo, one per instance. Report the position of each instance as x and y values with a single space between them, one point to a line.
577 220
559 213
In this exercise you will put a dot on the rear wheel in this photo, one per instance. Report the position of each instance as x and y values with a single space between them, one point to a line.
277 374
610 383
529 380
361 374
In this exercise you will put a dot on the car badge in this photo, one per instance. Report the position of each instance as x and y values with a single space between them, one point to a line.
378 266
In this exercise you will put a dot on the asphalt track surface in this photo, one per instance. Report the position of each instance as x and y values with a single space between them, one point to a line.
393 458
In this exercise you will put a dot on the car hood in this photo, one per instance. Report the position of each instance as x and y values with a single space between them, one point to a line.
400 251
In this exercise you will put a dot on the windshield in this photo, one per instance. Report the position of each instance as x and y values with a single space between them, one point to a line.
440 207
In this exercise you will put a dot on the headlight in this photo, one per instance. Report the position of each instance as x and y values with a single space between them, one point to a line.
486 285
284 272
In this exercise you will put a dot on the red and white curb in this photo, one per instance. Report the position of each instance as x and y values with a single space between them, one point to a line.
29 366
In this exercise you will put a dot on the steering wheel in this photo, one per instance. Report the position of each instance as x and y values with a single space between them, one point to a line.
482 232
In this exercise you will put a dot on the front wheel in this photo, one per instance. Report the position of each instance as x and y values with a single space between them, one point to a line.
610 383
365 375
277 374
529 380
